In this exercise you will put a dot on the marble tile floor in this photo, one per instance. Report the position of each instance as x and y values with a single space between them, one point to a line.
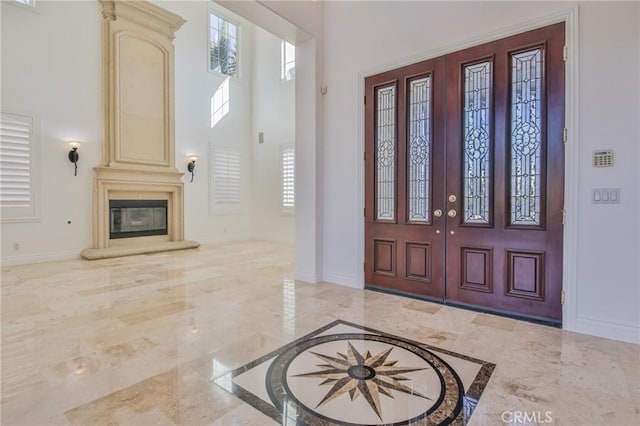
152 339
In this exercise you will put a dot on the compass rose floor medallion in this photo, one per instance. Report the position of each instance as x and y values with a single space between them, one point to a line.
347 374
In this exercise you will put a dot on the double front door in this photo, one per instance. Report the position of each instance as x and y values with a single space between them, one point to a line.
464 176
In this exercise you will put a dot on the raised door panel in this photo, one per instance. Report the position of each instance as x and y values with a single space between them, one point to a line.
419 261
476 269
384 260
525 274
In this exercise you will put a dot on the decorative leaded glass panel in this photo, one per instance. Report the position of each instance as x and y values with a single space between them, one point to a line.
419 148
476 136
526 137
385 147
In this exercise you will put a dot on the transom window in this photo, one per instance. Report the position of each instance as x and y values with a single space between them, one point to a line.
288 61
223 46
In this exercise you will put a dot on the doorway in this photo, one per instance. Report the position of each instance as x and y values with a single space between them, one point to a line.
464 176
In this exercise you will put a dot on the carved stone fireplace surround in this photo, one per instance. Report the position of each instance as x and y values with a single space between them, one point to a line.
139 146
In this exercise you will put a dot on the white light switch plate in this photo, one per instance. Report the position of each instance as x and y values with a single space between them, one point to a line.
605 196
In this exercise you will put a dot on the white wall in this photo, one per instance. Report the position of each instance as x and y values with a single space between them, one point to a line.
301 21
52 68
607 297
274 116
310 65
194 86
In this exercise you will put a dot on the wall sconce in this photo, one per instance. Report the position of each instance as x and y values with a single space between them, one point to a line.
73 155
192 164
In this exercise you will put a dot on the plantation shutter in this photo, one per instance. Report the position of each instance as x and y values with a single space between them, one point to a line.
225 178
288 178
16 166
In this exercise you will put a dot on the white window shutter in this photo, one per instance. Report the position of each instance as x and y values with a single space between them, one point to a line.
225 180
288 178
16 166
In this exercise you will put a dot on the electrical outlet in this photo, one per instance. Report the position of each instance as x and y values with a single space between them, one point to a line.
16 246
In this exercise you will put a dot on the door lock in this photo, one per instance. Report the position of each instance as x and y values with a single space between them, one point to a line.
452 213
452 198
437 213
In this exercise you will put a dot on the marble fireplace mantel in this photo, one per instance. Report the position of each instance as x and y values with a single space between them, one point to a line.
119 184
139 145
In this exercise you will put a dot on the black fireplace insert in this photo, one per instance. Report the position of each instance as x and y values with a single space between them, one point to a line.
137 218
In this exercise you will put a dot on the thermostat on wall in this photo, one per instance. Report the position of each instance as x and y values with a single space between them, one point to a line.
603 158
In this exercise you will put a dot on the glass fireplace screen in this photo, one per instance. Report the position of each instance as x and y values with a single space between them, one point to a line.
137 218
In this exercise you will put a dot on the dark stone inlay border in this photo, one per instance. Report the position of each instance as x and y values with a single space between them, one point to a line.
469 400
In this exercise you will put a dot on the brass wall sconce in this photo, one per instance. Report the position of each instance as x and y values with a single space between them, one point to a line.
73 155
192 165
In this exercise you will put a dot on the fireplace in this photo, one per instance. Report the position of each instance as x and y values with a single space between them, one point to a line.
138 193
137 218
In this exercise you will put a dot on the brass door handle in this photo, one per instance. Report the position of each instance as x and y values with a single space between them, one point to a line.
452 213
437 213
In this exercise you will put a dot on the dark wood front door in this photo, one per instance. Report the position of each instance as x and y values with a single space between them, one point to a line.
464 176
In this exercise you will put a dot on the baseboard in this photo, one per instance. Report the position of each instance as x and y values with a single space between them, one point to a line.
273 239
343 279
609 330
308 276
39 258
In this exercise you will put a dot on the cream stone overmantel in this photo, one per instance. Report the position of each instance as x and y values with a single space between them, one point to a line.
139 145
138 57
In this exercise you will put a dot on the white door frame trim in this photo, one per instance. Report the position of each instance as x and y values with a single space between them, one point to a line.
571 181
